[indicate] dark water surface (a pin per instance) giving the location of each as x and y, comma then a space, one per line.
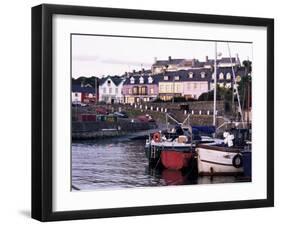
115, 164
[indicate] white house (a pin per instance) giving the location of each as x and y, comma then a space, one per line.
110, 89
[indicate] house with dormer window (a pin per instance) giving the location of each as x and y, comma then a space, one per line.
110, 89
140, 88
184, 83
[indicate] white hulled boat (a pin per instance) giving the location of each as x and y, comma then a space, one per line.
224, 159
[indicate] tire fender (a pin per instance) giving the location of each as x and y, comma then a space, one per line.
237, 161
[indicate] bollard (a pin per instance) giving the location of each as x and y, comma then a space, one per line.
145, 107
157, 109
165, 109
161, 109
208, 112
200, 112
185, 112
151, 108
192, 112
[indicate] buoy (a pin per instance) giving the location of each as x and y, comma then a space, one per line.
156, 137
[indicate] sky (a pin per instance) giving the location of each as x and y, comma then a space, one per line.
103, 55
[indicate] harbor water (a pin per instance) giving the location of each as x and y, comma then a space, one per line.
119, 163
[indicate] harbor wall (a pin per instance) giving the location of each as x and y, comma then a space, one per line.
88, 130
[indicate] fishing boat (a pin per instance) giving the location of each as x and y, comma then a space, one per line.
226, 159
175, 148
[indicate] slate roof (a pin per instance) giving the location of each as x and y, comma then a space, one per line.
237, 70
167, 62
184, 75
223, 60
227, 60
156, 79
115, 79
85, 80
80, 89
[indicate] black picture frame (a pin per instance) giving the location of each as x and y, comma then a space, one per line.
42, 111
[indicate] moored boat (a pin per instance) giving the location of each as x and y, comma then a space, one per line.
226, 159
175, 150
176, 160
219, 160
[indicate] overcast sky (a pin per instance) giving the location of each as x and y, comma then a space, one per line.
101, 55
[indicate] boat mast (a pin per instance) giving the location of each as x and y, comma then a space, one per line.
235, 86
215, 86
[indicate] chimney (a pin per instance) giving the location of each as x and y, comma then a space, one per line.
155, 60
193, 62
170, 58
143, 70
134, 71
207, 59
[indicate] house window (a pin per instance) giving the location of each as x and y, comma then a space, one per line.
190, 75
221, 77
162, 88
143, 90
116, 90
177, 78
130, 91
195, 85
151, 91
203, 74
166, 78
150, 79
104, 90
110, 90
109, 83
141, 80
135, 90
228, 76
188, 85
168, 88
132, 80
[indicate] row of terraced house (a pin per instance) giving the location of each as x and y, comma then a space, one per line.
168, 79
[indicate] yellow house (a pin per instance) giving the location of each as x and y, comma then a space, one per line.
182, 83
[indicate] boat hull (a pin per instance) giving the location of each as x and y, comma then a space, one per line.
215, 161
247, 163
176, 160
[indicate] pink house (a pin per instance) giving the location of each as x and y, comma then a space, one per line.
140, 88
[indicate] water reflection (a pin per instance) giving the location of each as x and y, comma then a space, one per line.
115, 164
